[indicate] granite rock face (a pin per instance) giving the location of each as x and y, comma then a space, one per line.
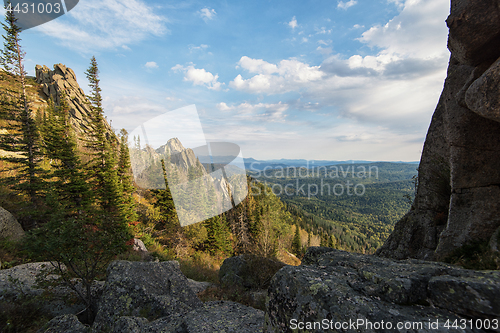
248, 271
144, 289
146, 297
21, 282
457, 199
9, 227
332, 286
63, 80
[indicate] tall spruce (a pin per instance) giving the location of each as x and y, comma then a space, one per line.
127, 189
20, 136
296, 242
67, 179
100, 144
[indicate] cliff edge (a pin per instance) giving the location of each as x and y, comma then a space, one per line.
457, 199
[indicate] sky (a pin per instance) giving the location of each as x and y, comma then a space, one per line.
319, 79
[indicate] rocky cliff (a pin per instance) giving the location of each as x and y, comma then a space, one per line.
458, 196
61, 80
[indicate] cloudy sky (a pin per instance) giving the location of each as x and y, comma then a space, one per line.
318, 79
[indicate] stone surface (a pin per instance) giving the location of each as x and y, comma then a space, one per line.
221, 316
21, 281
338, 286
139, 246
65, 324
63, 80
483, 95
144, 289
248, 271
457, 199
199, 286
9, 227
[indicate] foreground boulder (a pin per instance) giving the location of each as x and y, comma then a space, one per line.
9, 227
144, 289
334, 287
457, 199
20, 283
248, 271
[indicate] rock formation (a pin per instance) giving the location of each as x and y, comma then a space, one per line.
63, 80
9, 227
458, 196
156, 297
333, 287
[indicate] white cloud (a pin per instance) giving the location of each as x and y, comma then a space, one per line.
202, 47
97, 24
199, 76
207, 14
274, 112
345, 5
151, 65
293, 23
419, 30
285, 76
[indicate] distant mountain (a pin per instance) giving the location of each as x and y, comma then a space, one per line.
256, 165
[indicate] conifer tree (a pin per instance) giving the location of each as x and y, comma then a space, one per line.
102, 165
218, 236
127, 206
60, 146
21, 135
165, 203
296, 243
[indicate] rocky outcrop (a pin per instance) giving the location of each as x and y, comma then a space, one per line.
65, 323
9, 227
248, 271
20, 282
63, 80
457, 200
144, 289
142, 297
333, 287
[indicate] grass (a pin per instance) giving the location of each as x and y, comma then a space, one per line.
12, 254
21, 316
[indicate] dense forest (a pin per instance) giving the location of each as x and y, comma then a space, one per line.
351, 206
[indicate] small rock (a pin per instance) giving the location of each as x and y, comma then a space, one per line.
9, 227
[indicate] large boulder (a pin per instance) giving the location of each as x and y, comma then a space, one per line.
63, 80
144, 289
457, 199
248, 271
9, 227
22, 283
64, 324
334, 287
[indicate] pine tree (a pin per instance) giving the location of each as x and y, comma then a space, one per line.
102, 165
127, 206
218, 236
296, 243
21, 135
60, 146
166, 205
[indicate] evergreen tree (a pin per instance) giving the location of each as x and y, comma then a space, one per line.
60, 147
102, 165
165, 203
218, 235
20, 136
296, 243
127, 206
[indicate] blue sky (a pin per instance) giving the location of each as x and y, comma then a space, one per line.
333, 80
